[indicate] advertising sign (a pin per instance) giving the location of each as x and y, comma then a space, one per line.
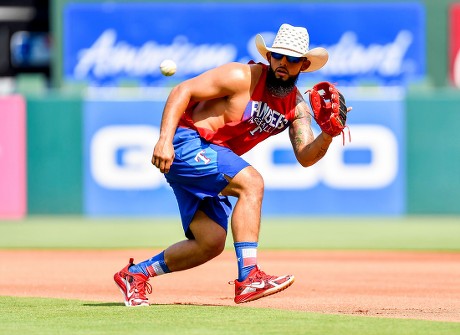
364, 176
108, 44
118, 144
454, 50
12, 157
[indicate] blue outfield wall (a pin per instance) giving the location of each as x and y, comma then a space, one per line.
362, 177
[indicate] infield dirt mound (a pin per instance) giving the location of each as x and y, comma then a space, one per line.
384, 284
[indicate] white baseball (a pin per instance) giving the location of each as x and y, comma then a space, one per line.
168, 67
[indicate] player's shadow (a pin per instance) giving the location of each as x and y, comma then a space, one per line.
104, 304
111, 304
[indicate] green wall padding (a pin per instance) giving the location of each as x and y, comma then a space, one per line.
54, 160
433, 152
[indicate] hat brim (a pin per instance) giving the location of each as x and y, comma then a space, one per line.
317, 56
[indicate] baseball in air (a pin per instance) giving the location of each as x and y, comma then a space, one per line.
168, 67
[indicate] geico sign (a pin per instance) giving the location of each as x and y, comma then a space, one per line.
120, 159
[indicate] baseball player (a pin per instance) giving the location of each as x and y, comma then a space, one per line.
211, 120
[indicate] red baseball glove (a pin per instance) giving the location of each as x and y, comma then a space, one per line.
329, 108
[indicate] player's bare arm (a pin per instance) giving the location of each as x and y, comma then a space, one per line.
233, 84
308, 149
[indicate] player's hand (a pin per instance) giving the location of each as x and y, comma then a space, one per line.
163, 156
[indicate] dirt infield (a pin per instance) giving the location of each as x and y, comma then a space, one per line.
383, 284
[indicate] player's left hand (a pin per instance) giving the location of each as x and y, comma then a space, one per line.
329, 108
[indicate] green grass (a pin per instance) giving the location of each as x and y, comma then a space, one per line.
54, 316
70, 317
411, 233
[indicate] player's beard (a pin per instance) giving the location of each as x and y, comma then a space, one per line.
279, 87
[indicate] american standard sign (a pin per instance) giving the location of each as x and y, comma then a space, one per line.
108, 57
111, 45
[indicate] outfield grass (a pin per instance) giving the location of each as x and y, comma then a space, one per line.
55, 316
413, 233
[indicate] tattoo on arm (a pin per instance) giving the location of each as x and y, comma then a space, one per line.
321, 153
301, 132
299, 137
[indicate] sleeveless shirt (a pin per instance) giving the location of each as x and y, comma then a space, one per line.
265, 115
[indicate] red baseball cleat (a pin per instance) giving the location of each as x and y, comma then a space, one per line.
258, 285
133, 286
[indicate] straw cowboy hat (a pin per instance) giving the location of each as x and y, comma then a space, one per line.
294, 41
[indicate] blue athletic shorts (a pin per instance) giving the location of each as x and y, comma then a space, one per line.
197, 177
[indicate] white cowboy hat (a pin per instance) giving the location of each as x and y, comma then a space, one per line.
294, 41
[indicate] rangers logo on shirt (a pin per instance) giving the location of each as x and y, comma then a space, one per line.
265, 118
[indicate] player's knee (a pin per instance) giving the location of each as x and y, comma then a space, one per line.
254, 184
248, 184
212, 247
